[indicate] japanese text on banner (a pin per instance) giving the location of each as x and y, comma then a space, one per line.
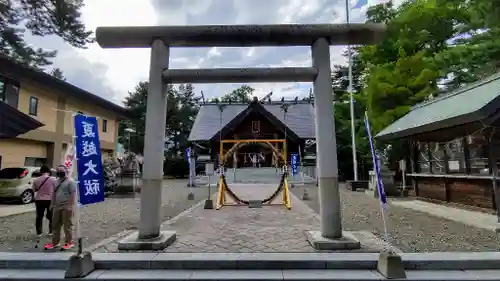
89, 161
294, 163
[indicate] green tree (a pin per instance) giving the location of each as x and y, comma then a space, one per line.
182, 107
431, 46
135, 102
185, 106
241, 94
403, 69
57, 73
42, 18
340, 82
475, 52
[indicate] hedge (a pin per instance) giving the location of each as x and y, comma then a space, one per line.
176, 167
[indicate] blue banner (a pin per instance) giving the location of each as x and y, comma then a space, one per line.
88, 160
376, 164
295, 161
188, 154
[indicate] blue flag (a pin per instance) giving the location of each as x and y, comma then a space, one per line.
295, 157
188, 154
376, 167
88, 160
359, 4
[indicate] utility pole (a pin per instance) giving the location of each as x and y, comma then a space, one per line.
351, 100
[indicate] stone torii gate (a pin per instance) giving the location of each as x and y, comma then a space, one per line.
161, 38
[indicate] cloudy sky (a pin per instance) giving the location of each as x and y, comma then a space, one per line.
112, 73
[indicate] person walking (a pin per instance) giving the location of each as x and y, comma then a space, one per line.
140, 160
63, 204
43, 186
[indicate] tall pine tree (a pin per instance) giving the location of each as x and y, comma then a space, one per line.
42, 18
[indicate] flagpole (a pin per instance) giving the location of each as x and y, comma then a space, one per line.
376, 168
351, 100
79, 239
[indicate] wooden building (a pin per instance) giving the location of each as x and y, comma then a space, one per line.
454, 143
256, 120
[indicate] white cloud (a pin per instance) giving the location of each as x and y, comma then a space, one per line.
111, 73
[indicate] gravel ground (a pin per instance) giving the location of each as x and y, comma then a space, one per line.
99, 221
410, 231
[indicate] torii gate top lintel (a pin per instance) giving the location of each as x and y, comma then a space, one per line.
240, 35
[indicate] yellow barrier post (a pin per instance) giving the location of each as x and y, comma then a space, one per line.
286, 195
220, 194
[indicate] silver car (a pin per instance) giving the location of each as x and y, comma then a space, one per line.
16, 183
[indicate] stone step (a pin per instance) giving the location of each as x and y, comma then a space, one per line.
255, 275
257, 261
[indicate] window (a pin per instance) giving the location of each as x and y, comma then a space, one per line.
13, 173
255, 127
9, 92
478, 154
456, 156
104, 125
33, 106
423, 157
437, 158
34, 162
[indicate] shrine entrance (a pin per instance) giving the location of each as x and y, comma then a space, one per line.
319, 37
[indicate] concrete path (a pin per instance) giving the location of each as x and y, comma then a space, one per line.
239, 229
9, 210
471, 218
98, 221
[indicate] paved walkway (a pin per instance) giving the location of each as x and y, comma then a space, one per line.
98, 221
11, 209
240, 229
472, 218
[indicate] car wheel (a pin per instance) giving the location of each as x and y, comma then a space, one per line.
27, 196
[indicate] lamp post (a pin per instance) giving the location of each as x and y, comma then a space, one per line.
221, 146
285, 107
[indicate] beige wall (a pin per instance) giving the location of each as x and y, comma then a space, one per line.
14, 152
55, 111
47, 104
73, 106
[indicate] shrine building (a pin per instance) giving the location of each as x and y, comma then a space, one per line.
266, 124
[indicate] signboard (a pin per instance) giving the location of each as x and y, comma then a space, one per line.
89, 161
295, 161
209, 169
